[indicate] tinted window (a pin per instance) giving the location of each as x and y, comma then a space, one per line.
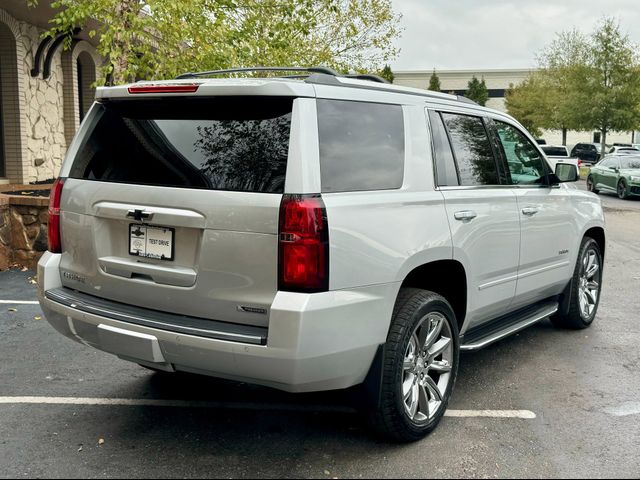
446, 172
630, 162
473, 153
222, 144
361, 146
609, 163
555, 151
526, 164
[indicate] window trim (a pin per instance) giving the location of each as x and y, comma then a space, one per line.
434, 159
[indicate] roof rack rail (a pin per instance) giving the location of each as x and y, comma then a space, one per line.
367, 76
324, 70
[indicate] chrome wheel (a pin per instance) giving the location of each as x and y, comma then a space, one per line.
428, 362
589, 286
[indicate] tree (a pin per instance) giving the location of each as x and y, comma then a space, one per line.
563, 65
161, 38
477, 91
526, 103
387, 74
610, 83
434, 82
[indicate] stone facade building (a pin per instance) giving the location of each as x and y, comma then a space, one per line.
498, 81
45, 91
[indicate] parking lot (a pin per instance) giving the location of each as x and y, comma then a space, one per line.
69, 411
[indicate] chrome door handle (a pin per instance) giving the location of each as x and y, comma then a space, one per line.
530, 211
465, 215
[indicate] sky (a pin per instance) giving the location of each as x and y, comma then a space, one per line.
488, 34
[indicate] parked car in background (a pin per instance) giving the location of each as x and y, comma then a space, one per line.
559, 154
618, 174
589, 153
623, 149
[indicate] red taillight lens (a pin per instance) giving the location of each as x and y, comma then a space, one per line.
190, 88
55, 242
304, 244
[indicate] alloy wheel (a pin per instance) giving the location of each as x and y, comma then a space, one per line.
427, 367
589, 286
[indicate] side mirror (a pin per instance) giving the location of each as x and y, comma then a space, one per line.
567, 172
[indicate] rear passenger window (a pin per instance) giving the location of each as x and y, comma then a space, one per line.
472, 149
446, 172
361, 146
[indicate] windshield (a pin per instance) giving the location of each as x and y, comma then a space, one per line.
555, 151
629, 163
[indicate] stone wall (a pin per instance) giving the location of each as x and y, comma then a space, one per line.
23, 230
45, 142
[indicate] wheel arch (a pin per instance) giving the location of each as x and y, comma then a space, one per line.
444, 277
598, 234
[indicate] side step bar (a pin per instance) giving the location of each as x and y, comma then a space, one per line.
497, 330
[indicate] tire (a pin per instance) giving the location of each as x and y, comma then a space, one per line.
418, 315
583, 302
591, 186
622, 190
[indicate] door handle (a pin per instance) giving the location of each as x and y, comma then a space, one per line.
465, 215
530, 211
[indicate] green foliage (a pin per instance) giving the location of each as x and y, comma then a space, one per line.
526, 102
477, 91
434, 82
161, 38
387, 74
584, 83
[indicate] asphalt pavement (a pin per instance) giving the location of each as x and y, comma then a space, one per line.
583, 387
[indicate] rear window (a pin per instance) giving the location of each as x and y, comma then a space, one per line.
555, 151
231, 143
361, 146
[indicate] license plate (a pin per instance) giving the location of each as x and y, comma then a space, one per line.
151, 242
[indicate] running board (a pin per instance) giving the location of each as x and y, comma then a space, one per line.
501, 328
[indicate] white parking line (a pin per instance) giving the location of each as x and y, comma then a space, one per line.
19, 302
143, 402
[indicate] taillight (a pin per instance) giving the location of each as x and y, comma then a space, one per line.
55, 242
303, 244
579, 164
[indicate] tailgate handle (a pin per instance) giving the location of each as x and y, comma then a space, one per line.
139, 215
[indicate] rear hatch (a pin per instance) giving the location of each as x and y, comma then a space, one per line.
172, 203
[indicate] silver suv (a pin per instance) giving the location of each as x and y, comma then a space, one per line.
314, 233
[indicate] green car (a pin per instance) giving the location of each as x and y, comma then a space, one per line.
616, 174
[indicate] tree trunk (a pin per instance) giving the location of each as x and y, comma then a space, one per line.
604, 142
564, 136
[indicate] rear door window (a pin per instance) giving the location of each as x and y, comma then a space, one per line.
361, 146
231, 143
472, 150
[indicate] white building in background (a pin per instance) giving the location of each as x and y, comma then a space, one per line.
498, 81
45, 91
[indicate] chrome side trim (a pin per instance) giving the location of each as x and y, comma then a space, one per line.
515, 328
543, 269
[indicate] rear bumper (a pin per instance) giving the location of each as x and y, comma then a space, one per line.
314, 342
